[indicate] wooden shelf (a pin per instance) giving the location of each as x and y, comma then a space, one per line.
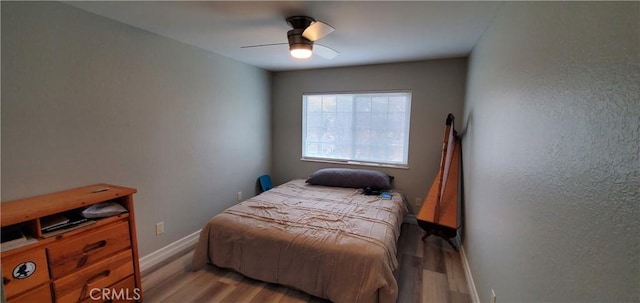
22, 210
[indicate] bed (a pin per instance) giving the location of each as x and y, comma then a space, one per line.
330, 242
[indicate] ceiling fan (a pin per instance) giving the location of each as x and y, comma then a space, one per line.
305, 32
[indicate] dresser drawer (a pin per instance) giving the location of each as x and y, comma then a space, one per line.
102, 274
24, 271
41, 294
71, 254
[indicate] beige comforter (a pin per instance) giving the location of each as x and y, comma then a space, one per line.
330, 242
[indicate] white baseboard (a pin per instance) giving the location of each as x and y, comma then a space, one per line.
151, 260
467, 272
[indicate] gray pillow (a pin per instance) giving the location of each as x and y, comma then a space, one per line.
104, 209
347, 177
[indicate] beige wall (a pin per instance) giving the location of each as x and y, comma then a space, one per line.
437, 87
86, 100
551, 154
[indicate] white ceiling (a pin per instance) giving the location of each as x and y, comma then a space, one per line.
366, 32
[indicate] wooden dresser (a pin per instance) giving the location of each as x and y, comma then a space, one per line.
93, 261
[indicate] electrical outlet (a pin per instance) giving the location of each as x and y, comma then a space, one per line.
493, 296
160, 228
239, 196
418, 202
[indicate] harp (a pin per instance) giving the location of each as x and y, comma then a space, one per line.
439, 212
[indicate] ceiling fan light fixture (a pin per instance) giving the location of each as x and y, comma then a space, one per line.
305, 31
300, 51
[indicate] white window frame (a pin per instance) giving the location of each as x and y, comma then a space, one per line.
403, 163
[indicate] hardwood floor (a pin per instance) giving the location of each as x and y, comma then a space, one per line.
430, 271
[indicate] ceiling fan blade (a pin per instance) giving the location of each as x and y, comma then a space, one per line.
317, 30
261, 45
324, 51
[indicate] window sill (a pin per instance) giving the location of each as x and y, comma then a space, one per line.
359, 163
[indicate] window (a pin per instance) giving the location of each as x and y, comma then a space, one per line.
363, 128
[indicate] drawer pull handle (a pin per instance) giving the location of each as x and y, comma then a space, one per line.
96, 277
89, 248
93, 246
